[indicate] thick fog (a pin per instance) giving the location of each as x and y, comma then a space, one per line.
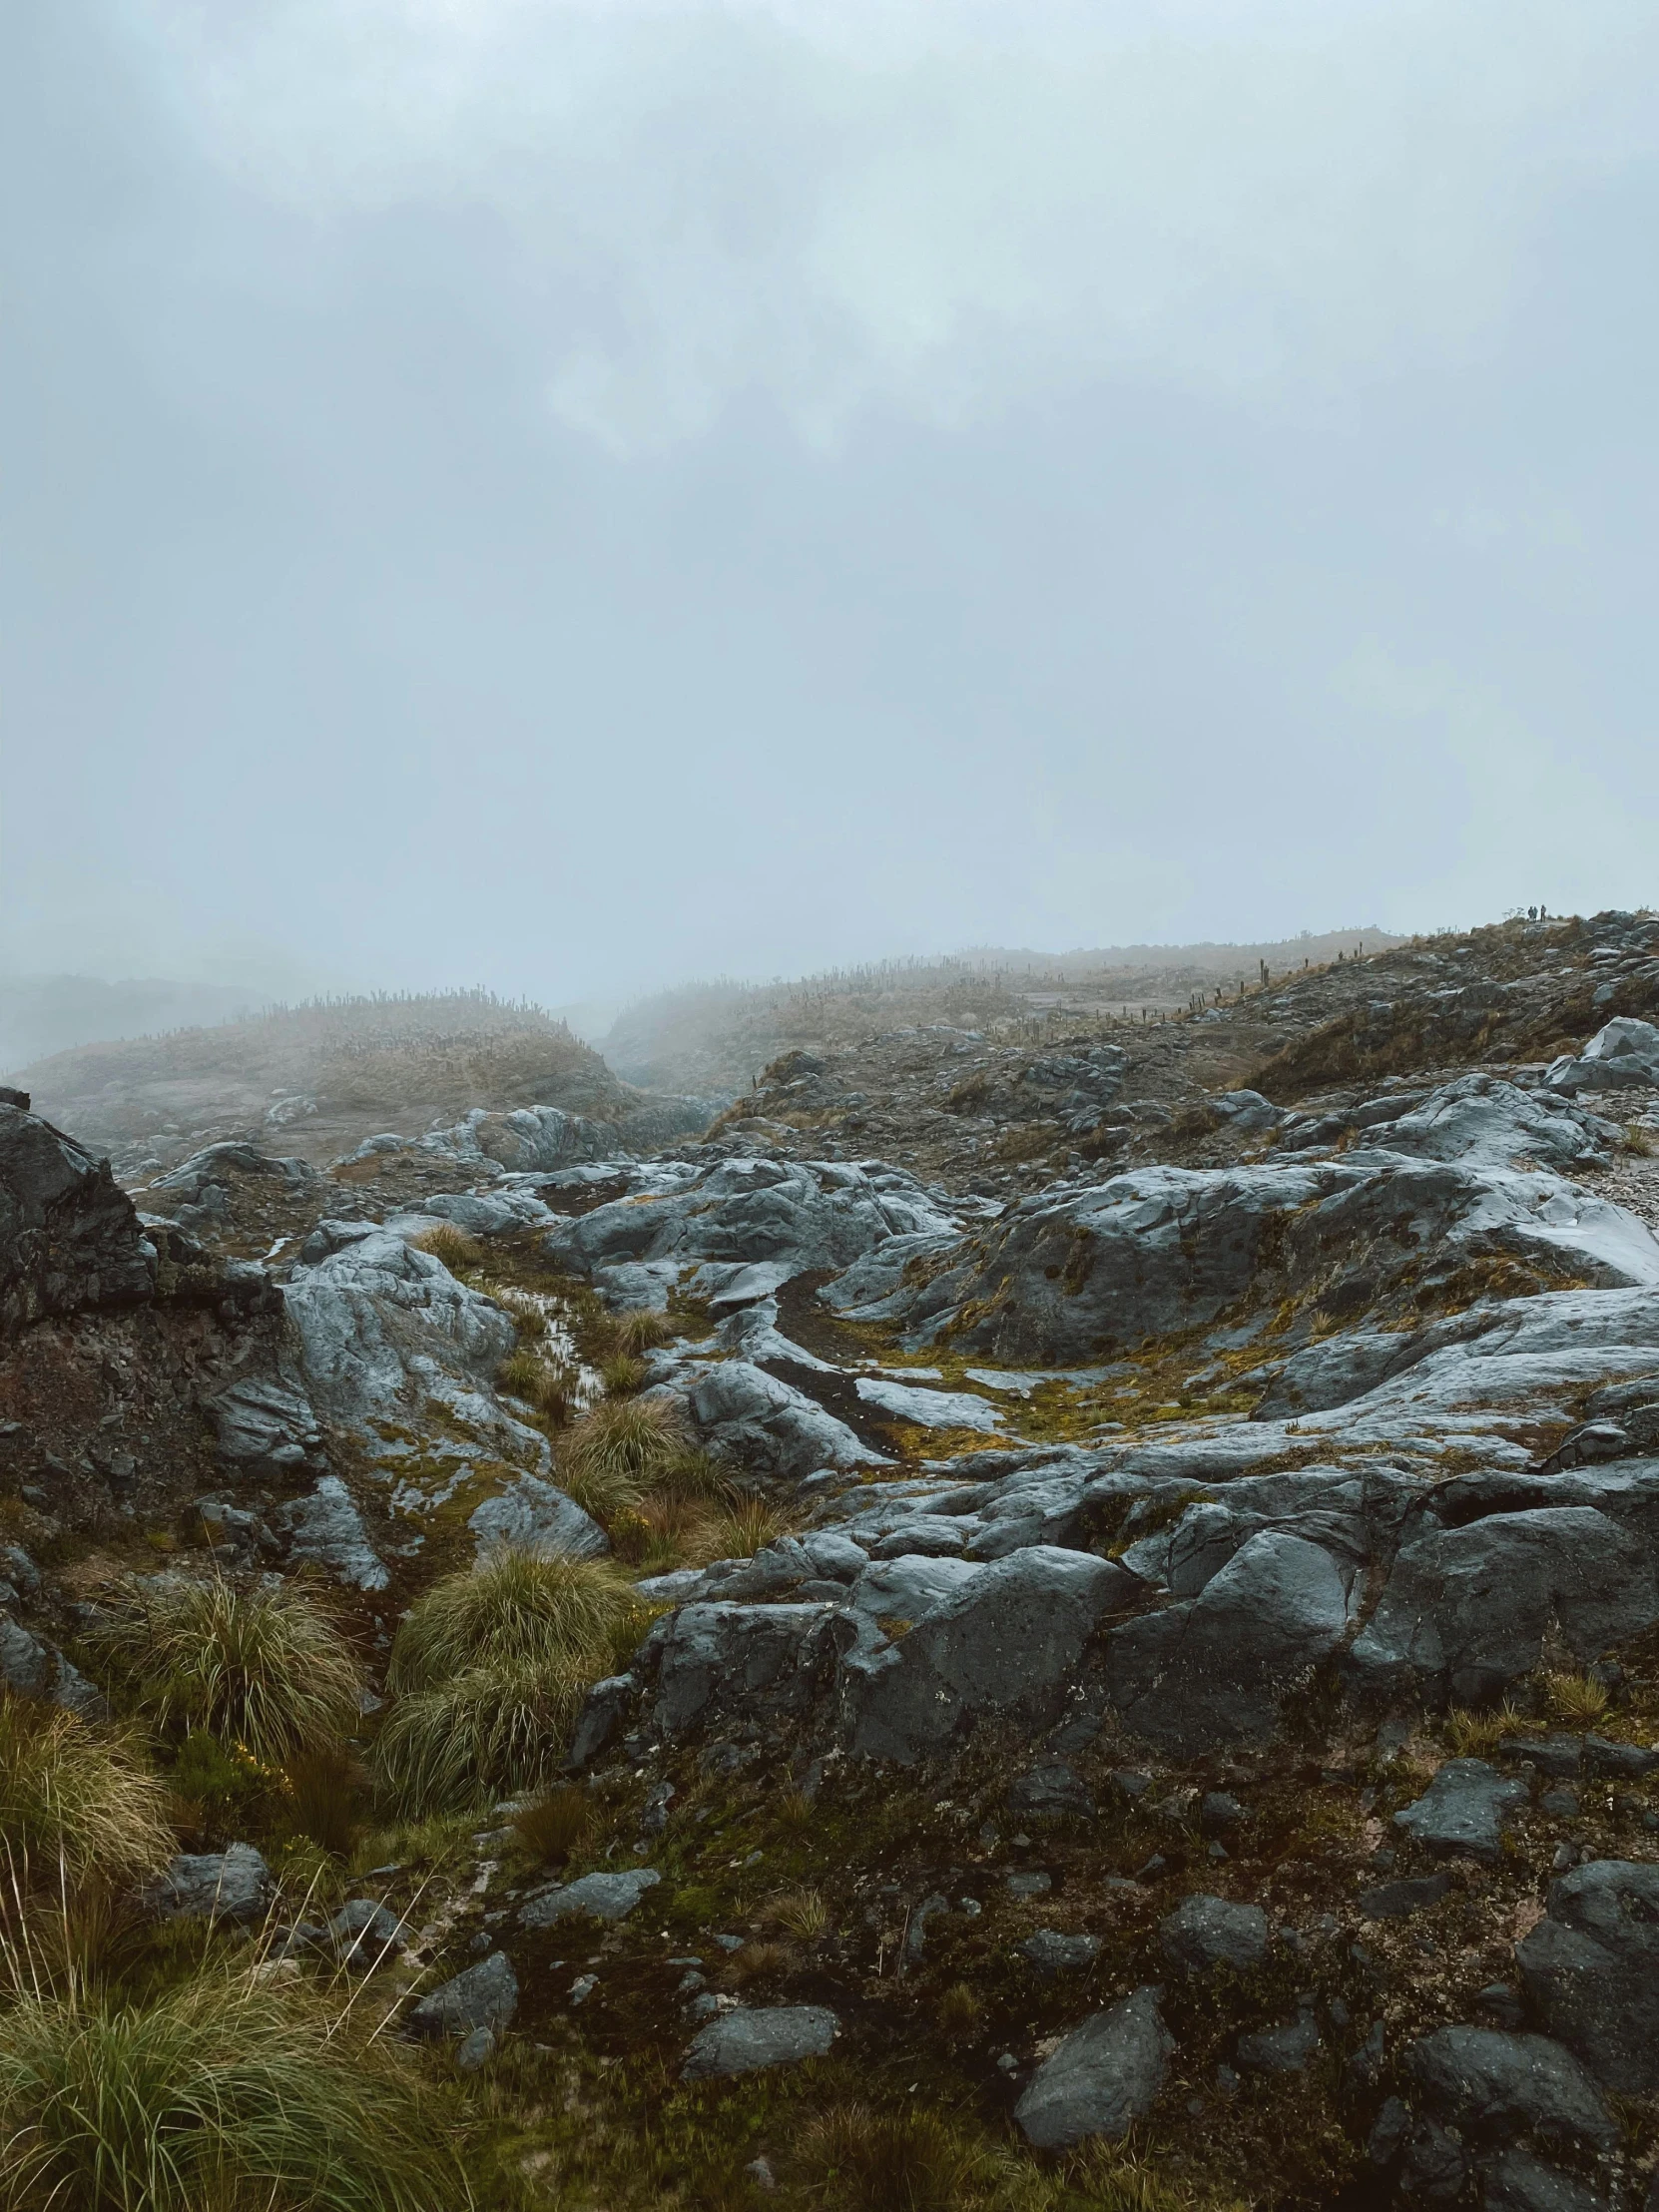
578, 496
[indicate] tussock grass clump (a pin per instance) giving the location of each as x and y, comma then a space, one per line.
489, 1669
265, 1668
622, 1375
748, 1527
802, 1914
220, 2095
450, 1244
1478, 1735
1578, 1700
619, 1450
638, 1333
493, 1730
554, 1826
513, 1608
854, 2159
77, 1798
959, 2010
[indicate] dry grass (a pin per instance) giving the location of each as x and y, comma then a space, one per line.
802, 1914
757, 1962
959, 2010
452, 1245
219, 2094
552, 1386
1577, 1700
77, 1799
623, 1375
494, 1731
855, 2159
1478, 1735
265, 1668
554, 1826
639, 1333
748, 1527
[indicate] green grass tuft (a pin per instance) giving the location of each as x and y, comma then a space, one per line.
265, 1668
220, 2094
76, 1798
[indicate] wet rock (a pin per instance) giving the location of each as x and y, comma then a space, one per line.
1493, 2086
1283, 2049
1470, 1608
1005, 1644
1624, 1055
327, 1529
1102, 2078
533, 1515
231, 1885
748, 2038
598, 1897
605, 1711
1518, 2182
1396, 1900
1207, 1932
1052, 1952
365, 1935
1216, 1669
483, 1996
1464, 1810
1049, 1791
1590, 1968
70, 1239
724, 1658
744, 1413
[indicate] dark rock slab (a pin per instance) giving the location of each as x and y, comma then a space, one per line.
1591, 1970
1464, 1810
1205, 1932
1102, 2078
1492, 2086
483, 1996
744, 2040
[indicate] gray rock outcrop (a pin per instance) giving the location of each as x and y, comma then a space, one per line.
1104, 2076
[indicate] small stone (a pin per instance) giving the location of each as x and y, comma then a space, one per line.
599, 1896
1395, 1901
482, 1996
1281, 2049
473, 2050
1207, 1932
1029, 1885
583, 1987
1464, 1810
1052, 1952
1103, 2077
1560, 1805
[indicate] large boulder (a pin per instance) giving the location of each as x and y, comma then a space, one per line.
1005, 1644
229, 1885
1103, 2077
1591, 1970
744, 1413
69, 1237
800, 1215
717, 1657
1217, 1668
1464, 1810
1622, 1056
1467, 1610
1493, 2086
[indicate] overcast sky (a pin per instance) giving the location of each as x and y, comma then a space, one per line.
577, 496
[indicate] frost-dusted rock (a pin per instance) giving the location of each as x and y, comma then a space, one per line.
928, 1409
802, 1215
1073, 1272
533, 1515
1591, 1970
326, 1529
726, 1658
742, 1412
69, 1237
482, 1996
744, 2040
1624, 1055
266, 1423
1006, 1644
1205, 1932
597, 1896
1468, 1609
1102, 2078
1464, 1810
1495, 2086
1217, 1668
382, 1326
482, 1213
229, 1885
1486, 1122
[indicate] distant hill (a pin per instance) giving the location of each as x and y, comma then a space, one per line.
717, 1035
325, 1073
42, 1014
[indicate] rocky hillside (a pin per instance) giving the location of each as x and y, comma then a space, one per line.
1122, 1568
315, 1080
